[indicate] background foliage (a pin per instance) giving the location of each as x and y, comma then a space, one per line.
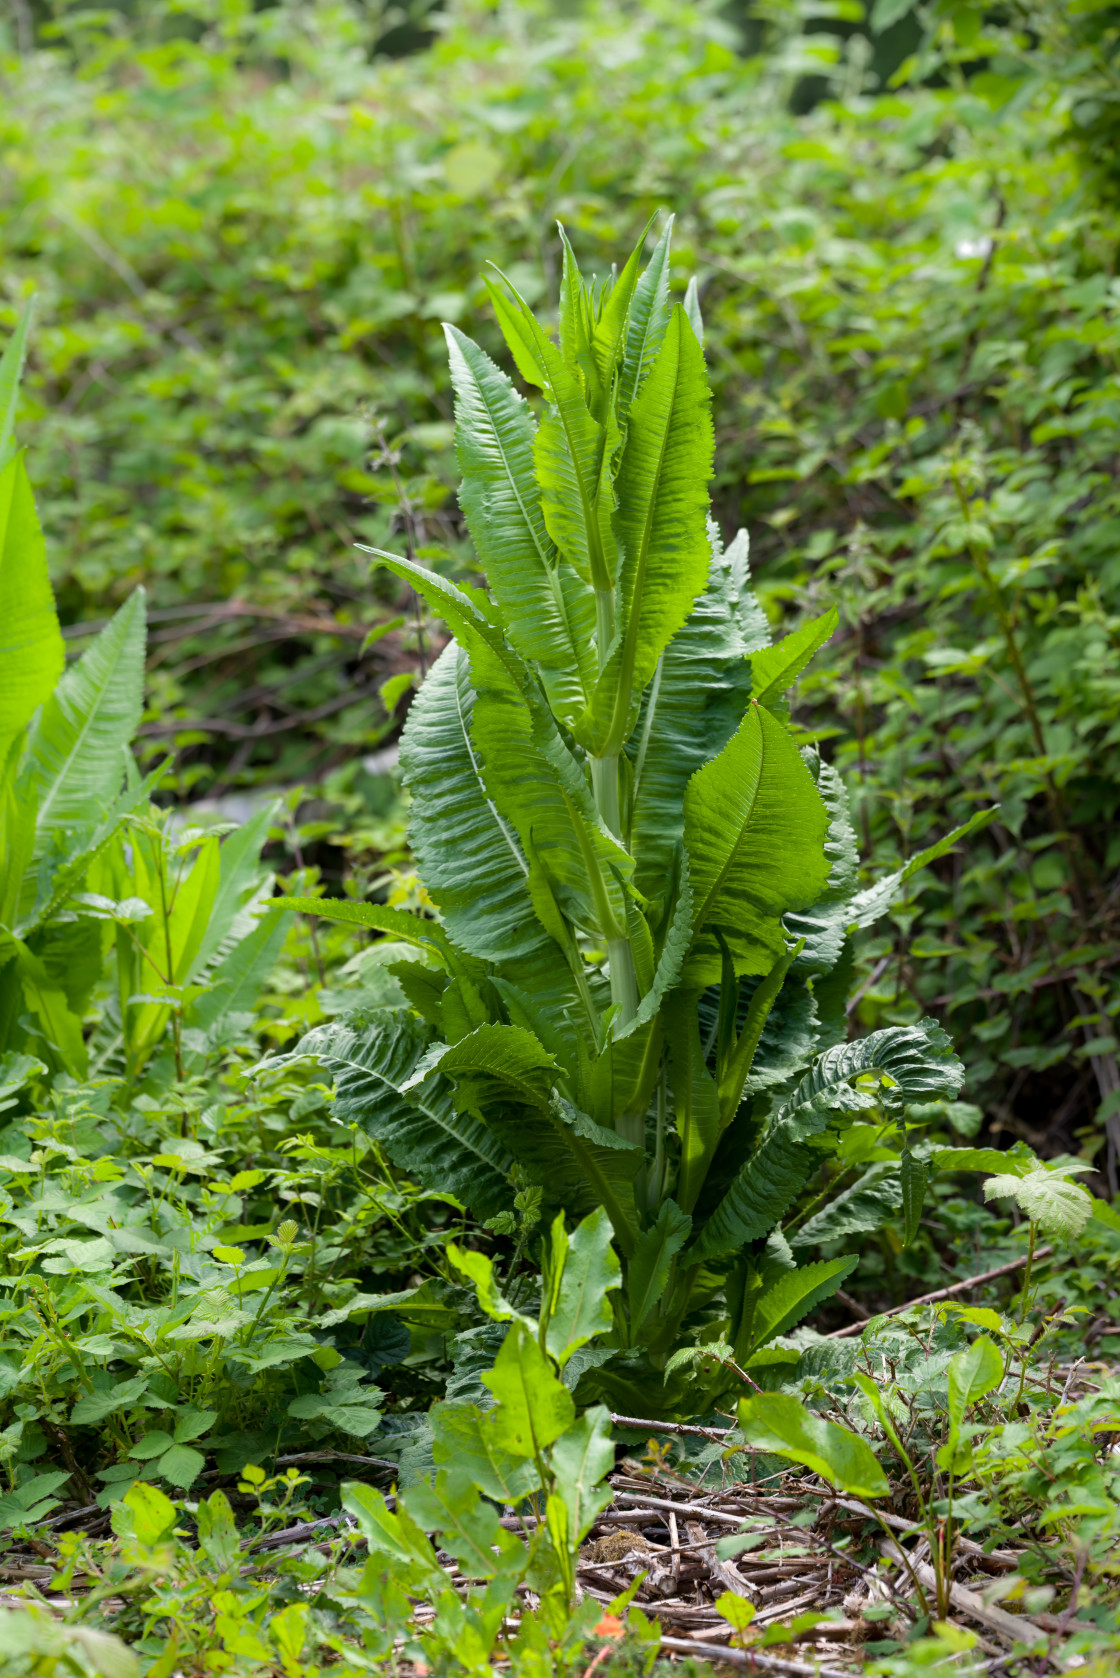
244, 230
244, 225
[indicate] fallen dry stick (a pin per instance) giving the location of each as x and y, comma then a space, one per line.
755, 1660
944, 1293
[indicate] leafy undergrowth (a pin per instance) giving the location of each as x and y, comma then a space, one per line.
698, 1541
224, 1497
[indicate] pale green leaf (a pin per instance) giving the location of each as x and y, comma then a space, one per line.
591, 1271
780, 1423
1061, 1209
31, 651
774, 669
534, 1406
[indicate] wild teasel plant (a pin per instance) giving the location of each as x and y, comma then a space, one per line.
632, 992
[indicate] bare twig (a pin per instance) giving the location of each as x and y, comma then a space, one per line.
753, 1659
687, 1428
944, 1293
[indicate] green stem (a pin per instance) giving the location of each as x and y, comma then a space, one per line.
604, 784
1024, 1296
624, 979
604, 623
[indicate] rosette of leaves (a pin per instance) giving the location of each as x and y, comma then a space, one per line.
633, 986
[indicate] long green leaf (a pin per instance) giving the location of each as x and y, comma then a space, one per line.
761, 1191
76, 748
774, 669
691, 708
648, 319
591, 1271
529, 772
867, 906
420, 1130
662, 518
502, 1063
780, 1423
582, 1458
794, 1295
568, 452
868, 1204
470, 858
912, 1063
11, 366
579, 1163
463, 1436
398, 923
31, 651
824, 925
695, 1096
534, 1407
648, 1270
549, 614
755, 826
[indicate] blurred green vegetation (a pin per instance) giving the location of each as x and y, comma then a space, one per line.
244, 227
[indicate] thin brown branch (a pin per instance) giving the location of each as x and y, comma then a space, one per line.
943, 1293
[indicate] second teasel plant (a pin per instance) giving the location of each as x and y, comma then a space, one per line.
632, 991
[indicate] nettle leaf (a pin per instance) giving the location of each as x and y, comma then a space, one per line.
1060, 1209
780, 1423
